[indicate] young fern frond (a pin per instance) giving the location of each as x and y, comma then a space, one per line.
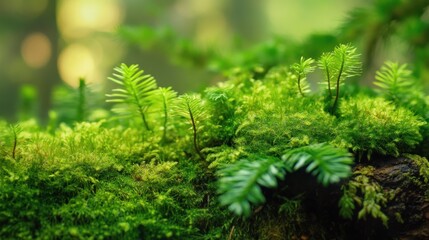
393, 79
191, 108
135, 92
337, 66
323, 64
301, 70
16, 130
240, 183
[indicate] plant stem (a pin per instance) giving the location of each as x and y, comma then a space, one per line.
81, 101
194, 128
329, 80
299, 85
164, 134
334, 106
15, 142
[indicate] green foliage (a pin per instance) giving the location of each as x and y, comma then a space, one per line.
240, 183
337, 66
89, 180
111, 180
394, 80
165, 98
191, 108
365, 193
76, 105
373, 125
135, 92
328, 164
301, 69
423, 165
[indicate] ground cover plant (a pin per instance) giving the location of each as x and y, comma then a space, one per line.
225, 163
288, 145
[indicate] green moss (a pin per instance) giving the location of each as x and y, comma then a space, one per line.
373, 125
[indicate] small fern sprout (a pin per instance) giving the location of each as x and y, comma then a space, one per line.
337, 66
135, 92
301, 69
165, 97
393, 79
191, 108
16, 130
323, 64
81, 110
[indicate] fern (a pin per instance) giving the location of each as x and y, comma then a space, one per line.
16, 130
301, 69
240, 183
337, 66
135, 92
81, 101
165, 97
191, 108
328, 164
394, 80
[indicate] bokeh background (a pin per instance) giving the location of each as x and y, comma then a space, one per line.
47, 43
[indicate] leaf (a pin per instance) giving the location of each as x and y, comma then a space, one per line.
240, 183
327, 163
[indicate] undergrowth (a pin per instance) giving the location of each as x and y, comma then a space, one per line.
199, 165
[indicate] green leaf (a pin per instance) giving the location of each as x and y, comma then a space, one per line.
327, 163
240, 183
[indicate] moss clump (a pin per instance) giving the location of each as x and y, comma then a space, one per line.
373, 125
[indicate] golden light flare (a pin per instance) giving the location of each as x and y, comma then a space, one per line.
76, 61
36, 50
79, 18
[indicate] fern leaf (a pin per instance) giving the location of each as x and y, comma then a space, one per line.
301, 69
135, 92
327, 163
240, 183
393, 79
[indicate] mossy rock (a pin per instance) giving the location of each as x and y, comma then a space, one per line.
314, 214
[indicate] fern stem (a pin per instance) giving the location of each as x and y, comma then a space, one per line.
143, 117
164, 134
15, 142
194, 128
334, 106
81, 101
329, 80
299, 85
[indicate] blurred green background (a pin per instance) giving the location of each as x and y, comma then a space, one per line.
47, 43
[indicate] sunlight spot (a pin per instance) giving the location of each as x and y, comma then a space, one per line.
76, 61
36, 50
79, 18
